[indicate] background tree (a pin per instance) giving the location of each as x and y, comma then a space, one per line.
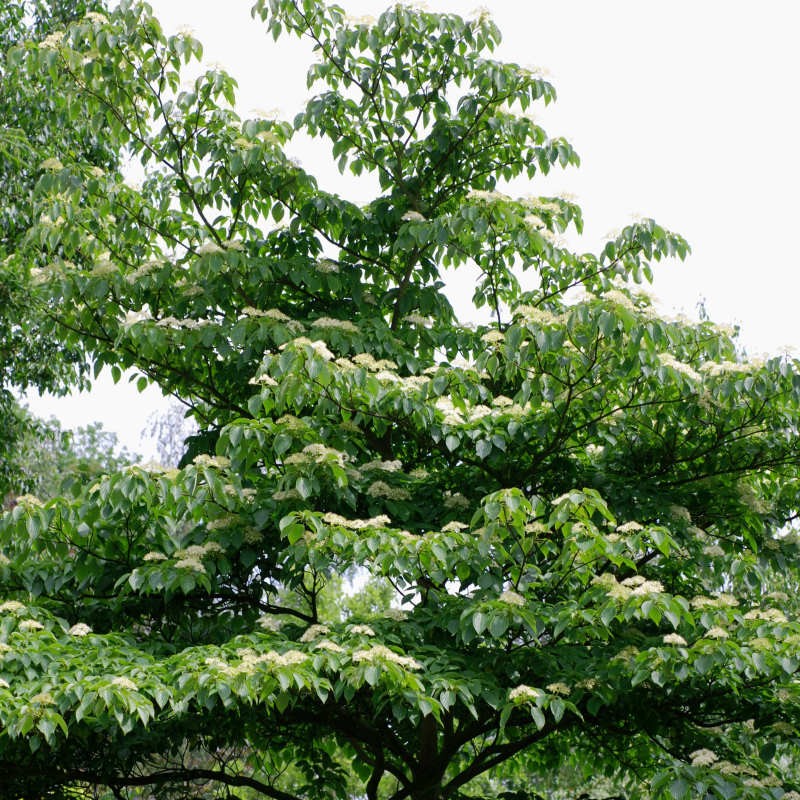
51, 461
32, 138
580, 505
30, 134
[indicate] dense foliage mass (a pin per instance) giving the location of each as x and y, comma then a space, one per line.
575, 519
30, 131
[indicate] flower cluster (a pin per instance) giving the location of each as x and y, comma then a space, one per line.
124, 683
314, 632
511, 598
382, 489
668, 360
380, 653
329, 323
524, 694
703, 758
361, 630
79, 629
381, 521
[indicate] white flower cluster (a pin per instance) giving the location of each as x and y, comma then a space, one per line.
675, 638
452, 415
329, 646
717, 368
190, 563
629, 527
382, 489
381, 521
511, 598
454, 501
668, 360
524, 694
703, 758
329, 323
619, 298
209, 248
12, 606
558, 688
318, 347
641, 586
79, 629
493, 336
269, 623
537, 316
124, 683
768, 614
199, 550
382, 466
368, 361
29, 501
52, 42
218, 462
418, 319
720, 601
327, 265
314, 632
486, 196
379, 652
144, 269
361, 630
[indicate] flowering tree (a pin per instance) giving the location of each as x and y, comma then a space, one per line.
583, 509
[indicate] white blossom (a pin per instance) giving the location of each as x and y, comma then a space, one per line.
703, 758
79, 629
524, 694
511, 598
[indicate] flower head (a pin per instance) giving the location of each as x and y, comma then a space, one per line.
511, 598
79, 629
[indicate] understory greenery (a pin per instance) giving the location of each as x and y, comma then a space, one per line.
570, 526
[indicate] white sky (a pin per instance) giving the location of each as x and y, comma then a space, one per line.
684, 111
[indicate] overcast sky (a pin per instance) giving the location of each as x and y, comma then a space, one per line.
684, 111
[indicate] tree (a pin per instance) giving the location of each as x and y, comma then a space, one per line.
584, 509
51, 460
29, 135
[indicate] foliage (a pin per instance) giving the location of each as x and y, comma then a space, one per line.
582, 506
50, 460
30, 133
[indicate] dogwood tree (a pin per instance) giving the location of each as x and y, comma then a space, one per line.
583, 509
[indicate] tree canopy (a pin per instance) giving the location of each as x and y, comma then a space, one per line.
574, 519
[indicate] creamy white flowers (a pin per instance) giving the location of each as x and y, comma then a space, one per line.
524, 694
124, 683
30, 625
79, 629
703, 758
379, 652
511, 598
314, 632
